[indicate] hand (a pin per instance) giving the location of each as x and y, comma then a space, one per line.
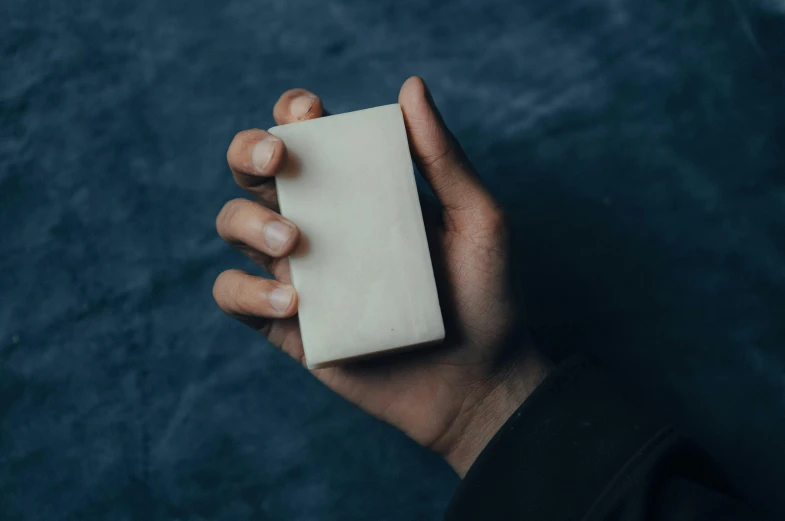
451, 398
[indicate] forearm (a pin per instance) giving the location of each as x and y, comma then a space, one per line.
578, 448
491, 405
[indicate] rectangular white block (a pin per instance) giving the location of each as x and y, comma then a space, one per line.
363, 271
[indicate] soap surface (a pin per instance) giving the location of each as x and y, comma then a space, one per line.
363, 271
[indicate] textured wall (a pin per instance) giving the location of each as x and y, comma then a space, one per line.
639, 145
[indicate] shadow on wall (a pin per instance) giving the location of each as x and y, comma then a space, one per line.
661, 254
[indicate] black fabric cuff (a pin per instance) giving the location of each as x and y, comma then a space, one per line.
558, 452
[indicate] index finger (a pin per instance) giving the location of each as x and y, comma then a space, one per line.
254, 157
297, 105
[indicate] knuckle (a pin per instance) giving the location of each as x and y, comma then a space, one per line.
223, 289
235, 145
493, 219
239, 142
235, 218
496, 216
231, 218
245, 136
223, 217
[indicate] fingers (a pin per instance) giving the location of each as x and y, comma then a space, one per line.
265, 305
297, 105
254, 156
243, 296
263, 234
437, 154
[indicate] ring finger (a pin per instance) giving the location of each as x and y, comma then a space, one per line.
246, 296
262, 234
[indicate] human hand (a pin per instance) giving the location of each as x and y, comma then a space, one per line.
451, 398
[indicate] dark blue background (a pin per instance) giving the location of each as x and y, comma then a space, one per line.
638, 145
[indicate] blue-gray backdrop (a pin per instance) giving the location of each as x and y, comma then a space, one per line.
638, 145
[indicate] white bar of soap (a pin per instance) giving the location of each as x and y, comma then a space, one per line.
362, 271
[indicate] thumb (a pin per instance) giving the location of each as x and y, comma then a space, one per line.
436, 152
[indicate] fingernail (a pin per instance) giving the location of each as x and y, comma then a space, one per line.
277, 234
263, 152
300, 106
281, 298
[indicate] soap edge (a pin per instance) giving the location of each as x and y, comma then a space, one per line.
378, 354
440, 335
322, 118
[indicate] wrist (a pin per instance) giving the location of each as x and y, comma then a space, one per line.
490, 405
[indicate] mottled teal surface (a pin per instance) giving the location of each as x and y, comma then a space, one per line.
639, 146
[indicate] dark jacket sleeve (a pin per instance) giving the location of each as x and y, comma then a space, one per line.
578, 449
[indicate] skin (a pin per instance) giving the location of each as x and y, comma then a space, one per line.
452, 398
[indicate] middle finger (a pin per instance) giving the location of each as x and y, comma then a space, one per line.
254, 157
256, 230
